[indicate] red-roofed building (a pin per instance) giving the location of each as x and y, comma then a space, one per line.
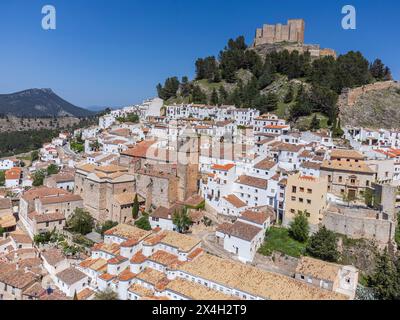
13, 177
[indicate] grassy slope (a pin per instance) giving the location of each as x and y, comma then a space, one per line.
278, 239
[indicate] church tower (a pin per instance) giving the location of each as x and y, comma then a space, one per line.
187, 170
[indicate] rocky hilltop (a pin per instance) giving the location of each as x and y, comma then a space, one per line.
373, 106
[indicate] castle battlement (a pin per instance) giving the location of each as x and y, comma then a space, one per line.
292, 32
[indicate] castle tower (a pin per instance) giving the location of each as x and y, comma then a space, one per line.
188, 152
296, 30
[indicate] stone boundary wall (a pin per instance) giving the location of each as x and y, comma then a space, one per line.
360, 228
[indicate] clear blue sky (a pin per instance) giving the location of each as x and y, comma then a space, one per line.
114, 53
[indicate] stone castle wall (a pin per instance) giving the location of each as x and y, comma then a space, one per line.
289, 37
354, 227
349, 97
293, 31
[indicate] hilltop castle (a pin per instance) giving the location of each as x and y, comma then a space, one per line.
293, 31
289, 37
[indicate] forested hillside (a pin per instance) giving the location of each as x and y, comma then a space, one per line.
288, 83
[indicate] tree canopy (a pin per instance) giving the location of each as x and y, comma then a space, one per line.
143, 223
299, 228
385, 279
81, 222
323, 245
181, 220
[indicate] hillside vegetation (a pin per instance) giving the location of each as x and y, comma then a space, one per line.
298, 88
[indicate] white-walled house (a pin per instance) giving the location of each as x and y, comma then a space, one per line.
246, 235
54, 261
7, 164
71, 281
162, 218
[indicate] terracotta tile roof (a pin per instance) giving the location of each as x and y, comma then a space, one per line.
138, 258
177, 240
107, 277
20, 238
306, 154
140, 150
235, 201
195, 253
241, 230
63, 177
35, 290
113, 248
18, 279
13, 174
225, 167
256, 217
194, 200
265, 164
359, 167
128, 232
29, 263
117, 260
152, 276
87, 263
347, 154
85, 294
253, 182
8, 221
98, 265
61, 199
288, 147
195, 291
318, 269
42, 192
164, 258
87, 167
55, 295
140, 290
53, 256
5, 204
126, 198
164, 213
311, 165
255, 281
48, 217
126, 275
276, 127
70, 276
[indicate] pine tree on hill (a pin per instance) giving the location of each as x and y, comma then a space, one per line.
384, 280
289, 95
315, 123
214, 98
223, 95
323, 245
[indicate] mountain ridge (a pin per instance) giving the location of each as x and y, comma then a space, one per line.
37, 103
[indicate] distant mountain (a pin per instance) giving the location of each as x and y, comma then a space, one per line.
37, 103
97, 108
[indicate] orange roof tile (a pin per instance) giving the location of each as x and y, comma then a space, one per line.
138, 258
107, 277
225, 167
